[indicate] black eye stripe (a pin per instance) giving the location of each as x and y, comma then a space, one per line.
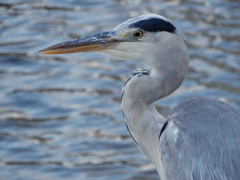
154, 25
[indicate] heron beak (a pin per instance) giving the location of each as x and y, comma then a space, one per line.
96, 42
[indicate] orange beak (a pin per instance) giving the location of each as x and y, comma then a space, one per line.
96, 42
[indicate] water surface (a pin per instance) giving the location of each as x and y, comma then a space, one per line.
60, 116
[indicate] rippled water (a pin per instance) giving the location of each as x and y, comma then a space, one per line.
60, 116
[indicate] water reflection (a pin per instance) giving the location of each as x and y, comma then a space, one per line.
61, 116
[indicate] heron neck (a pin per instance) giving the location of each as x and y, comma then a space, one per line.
144, 124
139, 94
143, 121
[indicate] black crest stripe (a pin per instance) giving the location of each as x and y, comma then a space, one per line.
154, 25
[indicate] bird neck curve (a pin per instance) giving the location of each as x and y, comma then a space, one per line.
144, 87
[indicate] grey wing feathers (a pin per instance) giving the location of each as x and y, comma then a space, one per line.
201, 142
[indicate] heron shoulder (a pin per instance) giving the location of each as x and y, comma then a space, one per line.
203, 137
207, 116
204, 109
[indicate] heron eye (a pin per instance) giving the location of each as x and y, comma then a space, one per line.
138, 34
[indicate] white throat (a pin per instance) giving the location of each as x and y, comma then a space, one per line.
168, 68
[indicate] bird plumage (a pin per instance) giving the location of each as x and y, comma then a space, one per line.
200, 139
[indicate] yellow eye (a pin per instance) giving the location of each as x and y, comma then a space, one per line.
138, 34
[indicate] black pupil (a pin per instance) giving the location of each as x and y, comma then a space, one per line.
137, 34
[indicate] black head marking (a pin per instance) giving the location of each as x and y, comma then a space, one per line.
154, 25
163, 128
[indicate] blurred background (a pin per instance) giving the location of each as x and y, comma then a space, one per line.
60, 116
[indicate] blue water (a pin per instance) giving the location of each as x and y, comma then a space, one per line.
60, 116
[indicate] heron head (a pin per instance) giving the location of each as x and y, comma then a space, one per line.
138, 38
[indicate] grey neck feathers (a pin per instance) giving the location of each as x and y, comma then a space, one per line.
141, 90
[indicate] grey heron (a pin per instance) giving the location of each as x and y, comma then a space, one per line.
200, 138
